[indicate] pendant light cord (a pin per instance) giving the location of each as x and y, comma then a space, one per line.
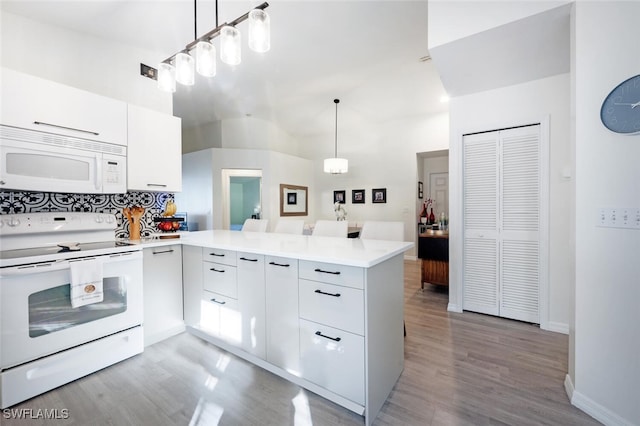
195, 20
336, 101
216, 13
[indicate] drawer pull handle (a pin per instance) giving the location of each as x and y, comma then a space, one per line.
284, 265
335, 339
218, 301
327, 294
248, 260
216, 270
163, 252
216, 254
327, 272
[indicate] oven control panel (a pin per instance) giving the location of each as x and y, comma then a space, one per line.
55, 222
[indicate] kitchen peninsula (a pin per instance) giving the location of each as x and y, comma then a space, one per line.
325, 313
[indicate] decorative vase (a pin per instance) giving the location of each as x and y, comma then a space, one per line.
432, 217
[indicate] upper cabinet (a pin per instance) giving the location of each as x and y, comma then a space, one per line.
34, 103
154, 161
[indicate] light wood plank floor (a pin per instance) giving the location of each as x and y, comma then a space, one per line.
460, 369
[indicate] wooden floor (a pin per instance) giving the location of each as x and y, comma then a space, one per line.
460, 369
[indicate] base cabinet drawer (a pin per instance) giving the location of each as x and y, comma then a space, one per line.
333, 359
335, 306
226, 257
220, 279
221, 318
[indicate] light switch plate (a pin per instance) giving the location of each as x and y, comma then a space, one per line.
613, 217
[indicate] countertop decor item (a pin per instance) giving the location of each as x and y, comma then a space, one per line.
133, 215
620, 110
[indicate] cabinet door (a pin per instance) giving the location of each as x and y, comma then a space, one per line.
154, 151
35, 103
281, 283
221, 317
333, 305
333, 359
192, 284
163, 314
251, 302
220, 279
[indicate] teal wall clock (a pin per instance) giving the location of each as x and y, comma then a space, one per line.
620, 110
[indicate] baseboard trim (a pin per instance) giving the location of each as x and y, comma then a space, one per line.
453, 307
591, 407
557, 327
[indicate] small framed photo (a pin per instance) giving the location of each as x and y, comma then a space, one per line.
292, 198
420, 190
379, 195
357, 196
339, 197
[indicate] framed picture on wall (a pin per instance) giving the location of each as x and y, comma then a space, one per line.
339, 196
420, 190
292, 198
379, 195
357, 196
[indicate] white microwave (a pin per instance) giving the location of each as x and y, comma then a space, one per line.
45, 162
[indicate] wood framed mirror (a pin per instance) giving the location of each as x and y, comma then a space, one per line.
293, 200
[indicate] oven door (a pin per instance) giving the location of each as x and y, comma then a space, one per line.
37, 319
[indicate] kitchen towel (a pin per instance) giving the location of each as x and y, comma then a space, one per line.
86, 282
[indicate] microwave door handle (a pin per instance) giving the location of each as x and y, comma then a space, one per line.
98, 172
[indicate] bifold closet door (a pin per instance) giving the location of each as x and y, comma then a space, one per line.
501, 223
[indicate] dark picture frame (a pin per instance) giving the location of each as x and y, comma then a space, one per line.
379, 195
357, 196
292, 198
420, 190
340, 197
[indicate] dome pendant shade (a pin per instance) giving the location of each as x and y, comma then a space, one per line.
259, 31
336, 165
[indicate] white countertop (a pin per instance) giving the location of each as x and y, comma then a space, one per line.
341, 251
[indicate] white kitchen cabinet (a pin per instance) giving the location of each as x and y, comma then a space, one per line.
251, 302
154, 161
281, 285
163, 308
336, 306
31, 102
192, 284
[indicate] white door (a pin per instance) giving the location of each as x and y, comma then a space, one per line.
502, 214
439, 190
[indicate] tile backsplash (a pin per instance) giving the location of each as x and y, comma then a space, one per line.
12, 202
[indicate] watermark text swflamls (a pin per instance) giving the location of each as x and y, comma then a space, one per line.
39, 413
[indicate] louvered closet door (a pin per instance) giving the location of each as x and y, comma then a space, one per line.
520, 219
480, 253
501, 223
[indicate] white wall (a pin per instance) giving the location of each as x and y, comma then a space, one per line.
516, 105
453, 20
197, 138
607, 317
89, 63
202, 181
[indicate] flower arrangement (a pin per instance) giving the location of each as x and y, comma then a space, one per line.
341, 213
425, 207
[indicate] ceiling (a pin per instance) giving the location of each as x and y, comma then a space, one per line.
367, 53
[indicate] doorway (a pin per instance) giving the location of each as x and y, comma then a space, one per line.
241, 196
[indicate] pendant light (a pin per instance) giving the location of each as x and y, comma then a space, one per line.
200, 54
336, 165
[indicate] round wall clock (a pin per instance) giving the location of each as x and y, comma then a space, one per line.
620, 110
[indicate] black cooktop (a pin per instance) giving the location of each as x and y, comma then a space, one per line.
62, 248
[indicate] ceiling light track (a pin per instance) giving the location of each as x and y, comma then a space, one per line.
181, 65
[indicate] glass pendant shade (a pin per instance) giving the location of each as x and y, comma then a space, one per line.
185, 69
336, 165
205, 53
259, 31
230, 45
166, 77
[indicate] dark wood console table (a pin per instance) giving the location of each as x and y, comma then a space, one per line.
433, 249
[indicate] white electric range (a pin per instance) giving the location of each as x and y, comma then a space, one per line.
44, 341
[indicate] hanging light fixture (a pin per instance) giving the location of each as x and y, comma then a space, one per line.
181, 66
336, 165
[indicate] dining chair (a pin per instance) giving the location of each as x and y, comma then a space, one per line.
331, 228
255, 225
289, 226
390, 231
